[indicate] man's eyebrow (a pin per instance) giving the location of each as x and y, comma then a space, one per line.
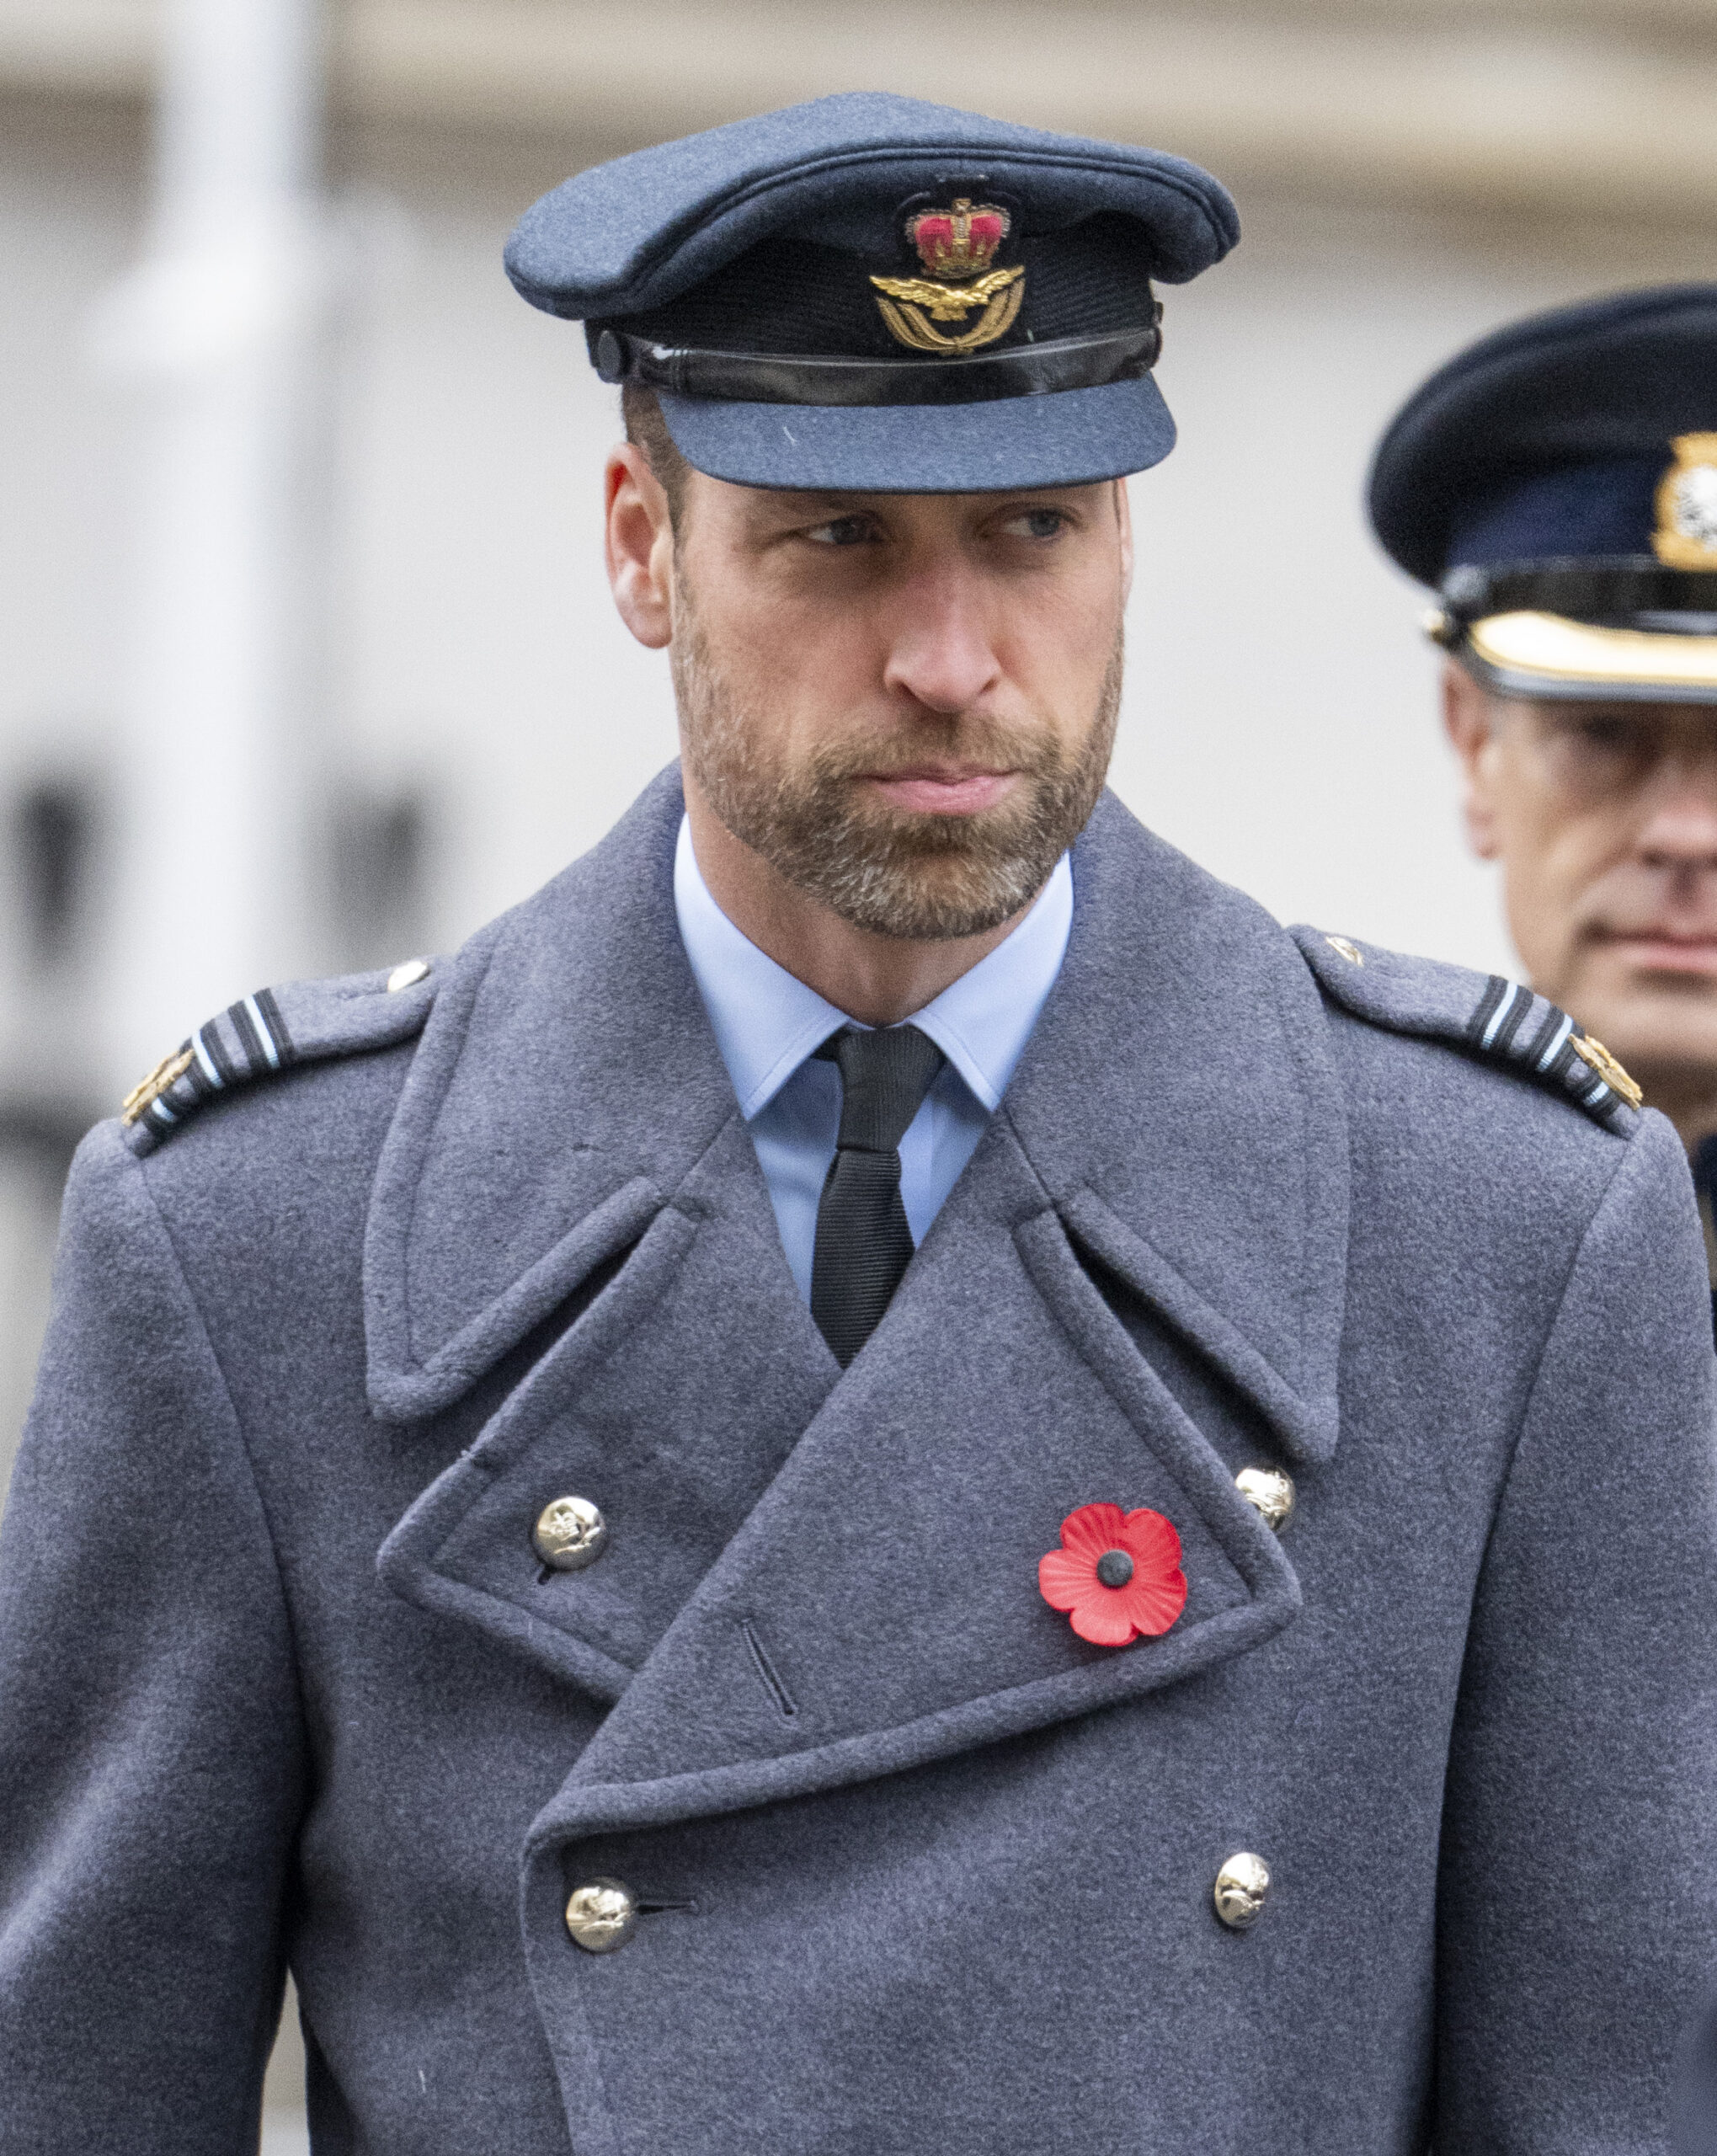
791, 500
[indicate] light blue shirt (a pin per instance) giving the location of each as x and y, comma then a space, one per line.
767, 1024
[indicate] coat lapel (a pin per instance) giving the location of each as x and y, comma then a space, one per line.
568, 1146
1179, 1104
879, 1608
565, 1085
811, 1576
1174, 1126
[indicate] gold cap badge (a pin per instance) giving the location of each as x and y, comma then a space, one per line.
1686, 537
957, 246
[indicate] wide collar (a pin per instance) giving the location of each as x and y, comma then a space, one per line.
1179, 1103
566, 1085
1176, 1103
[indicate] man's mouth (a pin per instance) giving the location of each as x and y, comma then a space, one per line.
943, 789
1657, 950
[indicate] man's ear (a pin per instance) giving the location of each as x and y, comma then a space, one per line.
1468, 719
638, 546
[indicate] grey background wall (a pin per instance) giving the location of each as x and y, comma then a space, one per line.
1408, 176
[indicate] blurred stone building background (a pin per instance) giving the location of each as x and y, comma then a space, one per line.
307, 660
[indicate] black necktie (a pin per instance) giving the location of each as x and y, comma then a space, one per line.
863, 1242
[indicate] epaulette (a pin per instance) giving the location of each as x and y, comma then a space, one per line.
1497, 1020
264, 1034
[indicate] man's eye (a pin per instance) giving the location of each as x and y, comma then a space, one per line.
1614, 736
1038, 524
1602, 748
841, 531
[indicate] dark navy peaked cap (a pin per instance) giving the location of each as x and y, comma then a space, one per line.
1559, 482
869, 292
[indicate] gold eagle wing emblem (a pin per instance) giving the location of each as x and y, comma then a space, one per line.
947, 302
910, 305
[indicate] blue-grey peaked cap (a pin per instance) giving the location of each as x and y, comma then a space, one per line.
734, 272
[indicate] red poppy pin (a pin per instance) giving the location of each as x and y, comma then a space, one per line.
1117, 1574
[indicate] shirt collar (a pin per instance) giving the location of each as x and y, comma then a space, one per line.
766, 1022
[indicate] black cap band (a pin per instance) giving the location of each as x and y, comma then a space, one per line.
1618, 588
771, 378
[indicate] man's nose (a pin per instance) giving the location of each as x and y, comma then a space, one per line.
942, 651
1680, 829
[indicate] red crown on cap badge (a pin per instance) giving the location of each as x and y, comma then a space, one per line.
958, 243
957, 246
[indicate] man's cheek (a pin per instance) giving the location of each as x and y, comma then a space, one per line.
1541, 880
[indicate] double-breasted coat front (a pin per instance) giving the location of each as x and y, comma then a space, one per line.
283, 1678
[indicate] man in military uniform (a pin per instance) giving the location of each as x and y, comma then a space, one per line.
885, 1476
1558, 483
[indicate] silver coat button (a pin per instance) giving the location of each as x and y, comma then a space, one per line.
1271, 1490
601, 1915
406, 975
1240, 1887
569, 1534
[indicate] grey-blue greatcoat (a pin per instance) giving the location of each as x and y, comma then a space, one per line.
927, 1873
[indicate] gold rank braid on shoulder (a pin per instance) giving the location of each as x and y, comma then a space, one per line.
1513, 1024
1593, 1052
1487, 1016
264, 1035
149, 1090
248, 1040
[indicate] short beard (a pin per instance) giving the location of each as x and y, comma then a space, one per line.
912, 876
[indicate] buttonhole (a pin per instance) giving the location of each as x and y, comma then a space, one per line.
767, 1671
546, 1575
666, 1908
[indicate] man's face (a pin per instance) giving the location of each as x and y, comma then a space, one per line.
1604, 817
905, 703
